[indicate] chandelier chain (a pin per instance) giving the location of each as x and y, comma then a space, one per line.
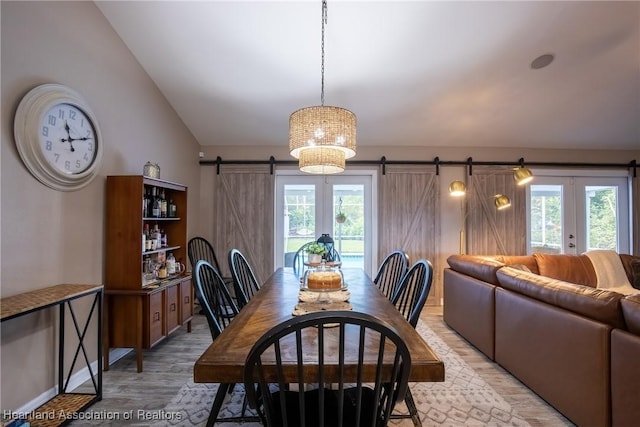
324, 21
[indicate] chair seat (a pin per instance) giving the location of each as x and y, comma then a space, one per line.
331, 405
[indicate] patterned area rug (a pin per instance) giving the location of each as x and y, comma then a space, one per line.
463, 399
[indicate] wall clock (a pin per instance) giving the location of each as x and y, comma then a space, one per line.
58, 137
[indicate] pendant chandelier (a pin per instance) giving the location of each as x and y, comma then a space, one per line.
322, 137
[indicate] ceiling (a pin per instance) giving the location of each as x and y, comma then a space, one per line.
416, 73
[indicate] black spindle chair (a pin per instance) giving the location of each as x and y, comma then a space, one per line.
350, 402
219, 309
409, 299
244, 281
391, 271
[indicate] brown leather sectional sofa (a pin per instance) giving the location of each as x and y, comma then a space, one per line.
542, 319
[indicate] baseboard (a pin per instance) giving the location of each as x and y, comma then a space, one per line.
75, 381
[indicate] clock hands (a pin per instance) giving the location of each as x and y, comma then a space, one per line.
69, 139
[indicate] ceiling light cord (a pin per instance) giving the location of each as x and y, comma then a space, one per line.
324, 21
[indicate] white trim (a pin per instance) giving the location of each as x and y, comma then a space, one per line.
75, 381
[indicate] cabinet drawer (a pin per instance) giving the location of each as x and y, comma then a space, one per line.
173, 315
155, 317
186, 301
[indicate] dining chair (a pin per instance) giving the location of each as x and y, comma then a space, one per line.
410, 298
338, 400
391, 271
244, 281
199, 248
219, 309
301, 257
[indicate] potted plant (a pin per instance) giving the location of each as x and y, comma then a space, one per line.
315, 251
341, 218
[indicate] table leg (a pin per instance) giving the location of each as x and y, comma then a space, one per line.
105, 335
139, 337
217, 404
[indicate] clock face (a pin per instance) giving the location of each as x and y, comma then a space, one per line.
67, 138
58, 137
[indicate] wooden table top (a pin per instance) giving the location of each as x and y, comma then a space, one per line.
223, 361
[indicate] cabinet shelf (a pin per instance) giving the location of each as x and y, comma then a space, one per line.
153, 218
167, 249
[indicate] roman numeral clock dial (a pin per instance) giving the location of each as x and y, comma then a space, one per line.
58, 137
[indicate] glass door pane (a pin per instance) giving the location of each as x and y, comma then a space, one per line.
299, 218
546, 226
348, 229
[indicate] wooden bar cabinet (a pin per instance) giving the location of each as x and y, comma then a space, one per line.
141, 311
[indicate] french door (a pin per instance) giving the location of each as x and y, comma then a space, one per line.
307, 206
571, 215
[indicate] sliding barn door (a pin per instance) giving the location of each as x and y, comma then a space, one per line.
408, 206
243, 216
490, 231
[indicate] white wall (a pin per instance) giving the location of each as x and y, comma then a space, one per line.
50, 237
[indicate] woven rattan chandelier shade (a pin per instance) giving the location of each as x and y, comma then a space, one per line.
322, 160
322, 126
322, 137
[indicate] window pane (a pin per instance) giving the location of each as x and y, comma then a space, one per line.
601, 215
348, 236
299, 219
546, 219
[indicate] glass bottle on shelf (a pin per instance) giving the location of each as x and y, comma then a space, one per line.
173, 209
171, 264
163, 204
155, 211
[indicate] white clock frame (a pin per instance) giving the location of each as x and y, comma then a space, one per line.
28, 119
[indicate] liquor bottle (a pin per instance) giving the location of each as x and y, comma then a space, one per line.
155, 211
163, 204
157, 236
144, 202
173, 209
163, 239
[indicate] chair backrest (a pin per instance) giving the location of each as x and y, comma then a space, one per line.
199, 248
244, 281
301, 257
216, 302
413, 291
391, 271
346, 334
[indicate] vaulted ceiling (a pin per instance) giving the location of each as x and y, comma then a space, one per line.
416, 73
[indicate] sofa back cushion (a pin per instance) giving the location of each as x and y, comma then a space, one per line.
481, 268
631, 311
568, 268
631, 266
598, 304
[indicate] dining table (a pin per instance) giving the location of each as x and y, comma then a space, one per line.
223, 361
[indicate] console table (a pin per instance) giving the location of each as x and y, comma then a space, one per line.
61, 296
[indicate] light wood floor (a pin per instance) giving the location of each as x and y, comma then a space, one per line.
170, 364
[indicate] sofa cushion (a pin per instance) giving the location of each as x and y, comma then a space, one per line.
525, 260
632, 268
481, 268
568, 268
631, 311
597, 304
